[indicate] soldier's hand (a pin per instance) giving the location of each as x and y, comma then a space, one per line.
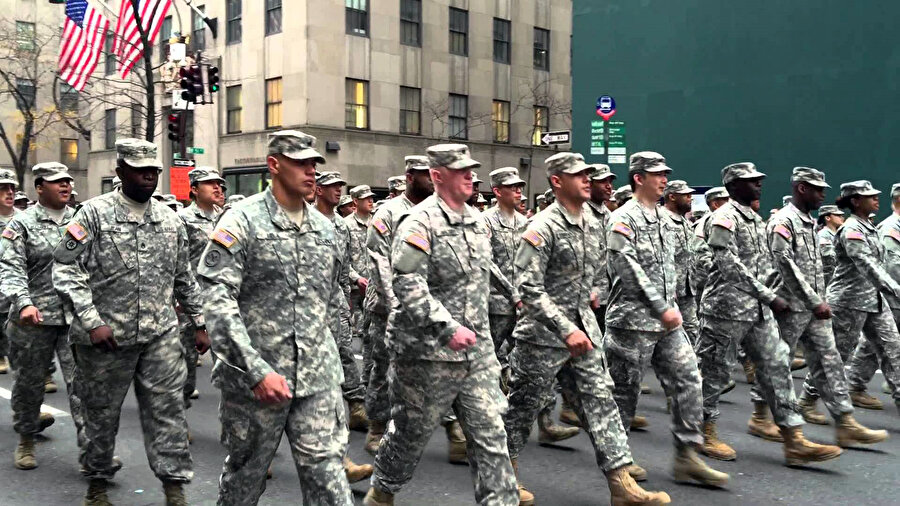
362, 283
520, 304
29, 315
578, 343
273, 389
102, 337
822, 311
595, 301
463, 338
201, 341
779, 305
671, 319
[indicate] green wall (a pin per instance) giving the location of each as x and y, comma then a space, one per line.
779, 83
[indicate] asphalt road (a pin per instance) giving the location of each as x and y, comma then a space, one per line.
563, 475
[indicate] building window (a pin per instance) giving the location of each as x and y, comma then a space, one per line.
109, 129
500, 121
357, 17
68, 152
25, 35
109, 63
235, 106
273, 16
68, 98
541, 124
198, 30
459, 32
541, 49
25, 93
164, 33
459, 114
411, 22
357, 104
273, 102
410, 110
233, 15
501, 40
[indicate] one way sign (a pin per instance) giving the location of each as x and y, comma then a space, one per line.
560, 137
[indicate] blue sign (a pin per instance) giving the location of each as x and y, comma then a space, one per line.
606, 107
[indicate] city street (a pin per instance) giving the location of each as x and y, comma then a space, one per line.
563, 475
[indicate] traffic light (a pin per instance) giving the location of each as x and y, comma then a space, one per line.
191, 83
213, 79
175, 126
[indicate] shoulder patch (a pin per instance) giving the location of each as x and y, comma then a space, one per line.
77, 231
623, 229
782, 231
419, 241
895, 234
224, 238
10, 234
533, 238
855, 235
380, 226
726, 223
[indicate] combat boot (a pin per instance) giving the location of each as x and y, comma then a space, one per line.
688, 466
637, 472
45, 420
639, 422
885, 388
798, 450
174, 491
4, 365
623, 491
526, 498
645, 389
568, 416
96, 493
797, 364
456, 443
356, 472
862, 399
850, 432
750, 371
24, 457
504, 380
375, 497
50, 385
358, 419
761, 424
373, 437
729, 387
549, 433
809, 412
714, 447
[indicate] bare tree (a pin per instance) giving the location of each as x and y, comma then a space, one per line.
438, 112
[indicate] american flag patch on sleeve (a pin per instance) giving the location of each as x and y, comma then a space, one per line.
725, 223
855, 235
419, 241
623, 229
533, 238
895, 234
224, 237
77, 231
380, 226
9, 233
783, 231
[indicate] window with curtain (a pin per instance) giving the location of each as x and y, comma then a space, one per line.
459, 116
500, 121
273, 103
357, 104
459, 32
410, 110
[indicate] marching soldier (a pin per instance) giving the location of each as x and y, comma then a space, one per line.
677, 200
8, 184
396, 186
830, 220
346, 206
358, 223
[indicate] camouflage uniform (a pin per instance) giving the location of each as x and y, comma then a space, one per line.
113, 268
8, 177
825, 237
684, 241
601, 287
441, 261
277, 291
359, 261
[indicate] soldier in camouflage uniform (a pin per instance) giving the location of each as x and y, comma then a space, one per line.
800, 280
8, 184
622, 195
830, 219
37, 326
396, 186
677, 199
358, 223
117, 267
346, 206
271, 273
736, 309
439, 338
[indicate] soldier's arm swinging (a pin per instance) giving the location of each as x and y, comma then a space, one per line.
860, 254
783, 255
733, 270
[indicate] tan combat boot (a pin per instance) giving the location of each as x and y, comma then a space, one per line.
373, 437
761, 424
456, 443
174, 491
750, 371
356, 472
4, 365
568, 416
358, 420
24, 456
96, 494
50, 385
375, 497
550, 433
688, 466
45, 420
714, 447
637, 472
639, 422
850, 432
809, 412
862, 399
798, 450
526, 498
623, 491
645, 389
797, 364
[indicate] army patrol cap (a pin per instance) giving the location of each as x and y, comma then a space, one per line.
549, 196
138, 153
481, 199
743, 170
699, 213
566, 163
861, 188
601, 172
678, 187
505, 176
785, 200
20, 195
540, 199
622, 194
810, 176
416, 162
523, 198
647, 161
329, 178
397, 183
7, 176
237, 197
345, 199
830, 209
361, 192
295, 145
716, 192
895, 190
451, 156
50, 171
475, 179
202, 174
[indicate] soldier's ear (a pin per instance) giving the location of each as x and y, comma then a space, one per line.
272, 163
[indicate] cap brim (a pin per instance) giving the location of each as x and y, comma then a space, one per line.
305, 154
209, 178
683, 191
818, 184
513, 181
753, 175
603, 177
417, 167
464, 164
143, 163
868, 193
578, 168
365, 195
331, 182
9, 181
57, 177
658, 168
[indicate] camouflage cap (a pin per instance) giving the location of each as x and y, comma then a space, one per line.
73, 193
116, 182
416, 162
345, 199
540, 199
201, 174
329, 178
699, 213
830, 209
138, 153
567, 163
505, 176
50, 171
475, 179
397, 183
294, 144
622, 194
361, 192
549, 196
20, 195
861, 188
786, 199
481, 199
647, 161
743, 170
716, 192
169, 198
678, 187
7, 176
601, 172
810, 176
523, 198
452, 156
895, 190
237, 197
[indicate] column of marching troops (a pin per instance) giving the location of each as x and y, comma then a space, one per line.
471, 320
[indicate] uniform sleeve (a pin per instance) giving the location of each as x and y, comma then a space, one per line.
532, 257
187, 290
890, 238
221, 271
13, 267
505, 283
701, 259
858, 250
829, 258
781, 237
69, 275
379, 249
720, 237
622, 258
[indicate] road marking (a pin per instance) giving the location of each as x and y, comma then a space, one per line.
6, 394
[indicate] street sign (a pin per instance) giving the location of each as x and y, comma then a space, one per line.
179, 183
598, 145
184, 163
606, 107
196, 151
560, 137
614, 159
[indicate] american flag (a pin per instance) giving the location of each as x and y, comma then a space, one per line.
82, 39
127, 46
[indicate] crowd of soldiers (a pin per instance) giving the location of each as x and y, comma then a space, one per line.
470, 317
